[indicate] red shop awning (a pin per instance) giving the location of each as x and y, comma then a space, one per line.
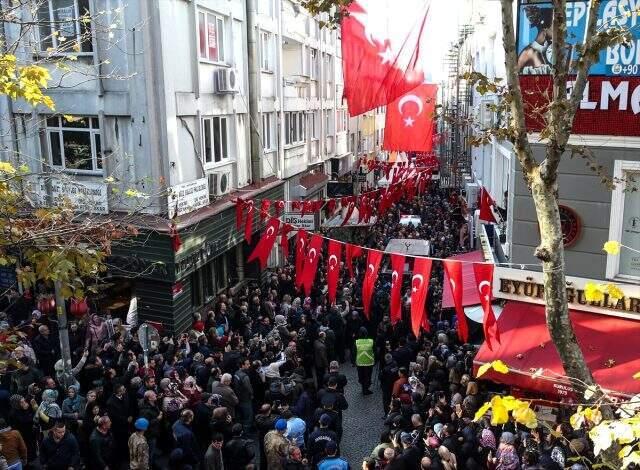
469, 292
608, 343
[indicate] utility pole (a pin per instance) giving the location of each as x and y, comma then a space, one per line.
63, 333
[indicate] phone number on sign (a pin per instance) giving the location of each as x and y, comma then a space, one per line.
631, 69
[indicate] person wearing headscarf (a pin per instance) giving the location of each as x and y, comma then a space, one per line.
48, 411
73, 407
506, 457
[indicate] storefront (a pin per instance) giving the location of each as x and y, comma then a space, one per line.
170, 286
607, 332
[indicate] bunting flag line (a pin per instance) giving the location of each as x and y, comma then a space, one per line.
264, 209
484, 280
266, 242
486, 202
176, 241
311, 263
454, 272
374, 257
381, 51
350, 207
419, 291
284, 239
333, 268
352, 251
397, 273
248, 223
301, 252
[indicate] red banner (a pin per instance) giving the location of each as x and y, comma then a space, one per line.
484, 279
311, 262
301, 252
454, 271
284, 239
419, 291
352, 251
248, 223
333, 269
374, 257
264, 246
397, 272
409, 120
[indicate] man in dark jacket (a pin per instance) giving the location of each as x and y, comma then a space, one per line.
60, 450
244, 392
320, 358
319, 438
334, 371
102, 448
149, 410
119, 412
185, 439
411, 454
388, 375
238, 451
228, 397
46, 349
26, 375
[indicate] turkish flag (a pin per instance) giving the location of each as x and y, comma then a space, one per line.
484, 279
264, 208
333, 269
454, 272
409, 121
419, 291
397, 271
350, 208
284, 239
374, 257
352, 251
486, 202
239, 213
248, 223
301, 251
176, 241
311, 263
264, 246
279, 207
380, 51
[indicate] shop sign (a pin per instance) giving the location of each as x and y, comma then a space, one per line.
306, 222
197, 258
527, 286
8, 277
187, 197
87, 196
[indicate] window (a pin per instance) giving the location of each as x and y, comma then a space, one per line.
215, 141
64, 19
624, 225
328, 122
268, 141
313, 118
75, 145
196, 289
294, 127
266, 46
211, 36
342, 120
266, 7
313, 72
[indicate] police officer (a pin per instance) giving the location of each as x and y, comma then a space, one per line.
364, 359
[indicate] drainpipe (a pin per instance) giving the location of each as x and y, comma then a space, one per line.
254, 91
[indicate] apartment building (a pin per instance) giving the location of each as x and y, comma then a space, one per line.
192, 104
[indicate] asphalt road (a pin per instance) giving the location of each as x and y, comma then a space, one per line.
362, 421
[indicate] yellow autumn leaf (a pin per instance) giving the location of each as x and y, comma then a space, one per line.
7, 168
593, 292
632, 458
614, 291
602, 438
577, 419
500, 366
612, 247
482, 411
594, 415
526, 416
70, 118
636, 376
483, 369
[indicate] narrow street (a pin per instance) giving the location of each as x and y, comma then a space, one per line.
363, 420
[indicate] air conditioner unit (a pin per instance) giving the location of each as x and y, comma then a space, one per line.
219, 183
227, 80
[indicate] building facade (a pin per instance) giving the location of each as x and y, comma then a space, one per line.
182, 107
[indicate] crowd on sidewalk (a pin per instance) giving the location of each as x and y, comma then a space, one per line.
257, 381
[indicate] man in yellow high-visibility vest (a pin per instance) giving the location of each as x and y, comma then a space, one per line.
364, 360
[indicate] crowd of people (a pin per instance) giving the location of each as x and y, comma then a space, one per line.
258, 381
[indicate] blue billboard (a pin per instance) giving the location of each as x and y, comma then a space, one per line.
534, 36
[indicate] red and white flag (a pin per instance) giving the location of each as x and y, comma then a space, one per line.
264, 246
264, 208
284, 239
419, 292
311, 263
248, 223
239, 213
486, 203
351, 201
409, 121
454, 273
352, 251
484, 279
374, 257
333, 269
301, 252
381, 50
397, 271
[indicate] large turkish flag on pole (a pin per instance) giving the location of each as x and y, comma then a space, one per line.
409, 122
419, 291
454, 273
374, 258
484, 279
381, 50
311, 263
301, 252
333, 269
264, 246
397, 271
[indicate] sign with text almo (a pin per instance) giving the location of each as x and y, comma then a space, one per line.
307, 222
527, 286
187, 197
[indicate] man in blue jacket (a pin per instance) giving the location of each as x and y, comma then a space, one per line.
333, 462
185, 439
